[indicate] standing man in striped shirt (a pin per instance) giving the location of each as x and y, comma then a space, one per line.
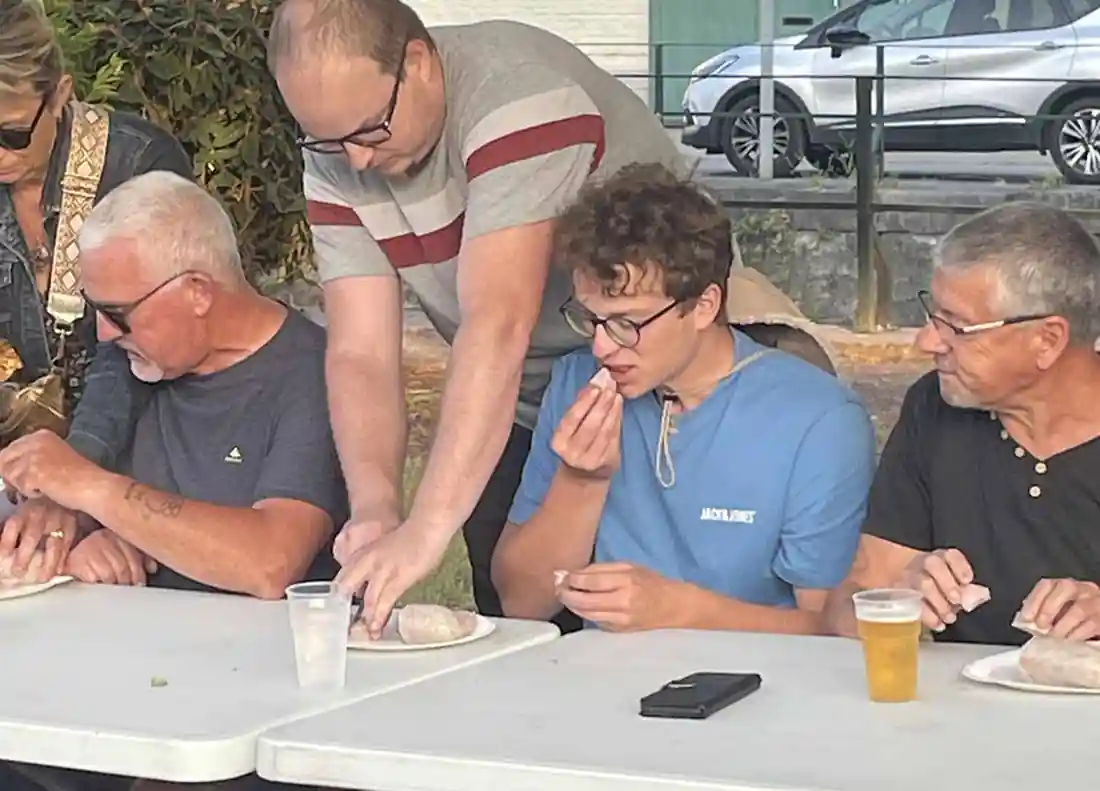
440, 158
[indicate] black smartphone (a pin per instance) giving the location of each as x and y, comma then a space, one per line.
699, 695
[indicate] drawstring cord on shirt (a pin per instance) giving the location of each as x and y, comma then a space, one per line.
663, 453
663, 456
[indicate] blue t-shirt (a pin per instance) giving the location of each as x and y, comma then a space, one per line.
772, 473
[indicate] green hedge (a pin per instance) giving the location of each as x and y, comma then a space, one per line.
197, 68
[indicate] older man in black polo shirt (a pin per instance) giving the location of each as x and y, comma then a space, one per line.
992, 474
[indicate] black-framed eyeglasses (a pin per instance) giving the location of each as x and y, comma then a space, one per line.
625, 332
20, 139
948, 329
365, 136
118, 313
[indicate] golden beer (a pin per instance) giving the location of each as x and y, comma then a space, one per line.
889, 628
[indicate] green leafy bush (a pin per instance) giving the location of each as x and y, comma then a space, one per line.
197, 68
94, 82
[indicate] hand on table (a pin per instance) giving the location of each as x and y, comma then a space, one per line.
38, 525
388, 567
619, 597
105, 558
939, 576
44, 465
1064, 608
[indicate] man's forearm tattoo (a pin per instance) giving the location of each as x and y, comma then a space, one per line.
154, 503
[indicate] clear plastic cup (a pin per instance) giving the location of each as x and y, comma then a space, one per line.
889, 628
319, 620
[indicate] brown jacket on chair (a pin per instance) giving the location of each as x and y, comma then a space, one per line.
756, 307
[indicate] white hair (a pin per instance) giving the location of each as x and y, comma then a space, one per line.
1044, 262
175, 224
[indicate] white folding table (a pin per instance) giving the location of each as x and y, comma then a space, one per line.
174, 685
564, 715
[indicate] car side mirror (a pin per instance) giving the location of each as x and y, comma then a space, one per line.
845, 37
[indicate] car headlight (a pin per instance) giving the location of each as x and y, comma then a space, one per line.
709, 67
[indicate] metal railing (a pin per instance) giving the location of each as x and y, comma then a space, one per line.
867, 146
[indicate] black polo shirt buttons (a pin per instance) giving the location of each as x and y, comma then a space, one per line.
1035, 491
1040, 468
1019, 453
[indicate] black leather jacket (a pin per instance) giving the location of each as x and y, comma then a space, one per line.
112, 398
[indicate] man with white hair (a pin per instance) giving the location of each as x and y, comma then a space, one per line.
232, 481
991, 476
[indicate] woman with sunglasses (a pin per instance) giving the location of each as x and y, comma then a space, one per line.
58, 157
37, 152
39, 157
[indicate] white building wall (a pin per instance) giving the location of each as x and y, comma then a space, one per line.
614, 33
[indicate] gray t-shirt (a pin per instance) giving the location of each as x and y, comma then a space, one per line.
254, 431
530, 121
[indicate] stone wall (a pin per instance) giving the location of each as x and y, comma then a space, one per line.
811, 252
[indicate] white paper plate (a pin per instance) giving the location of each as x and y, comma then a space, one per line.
19, 591
1003, 670
389, 641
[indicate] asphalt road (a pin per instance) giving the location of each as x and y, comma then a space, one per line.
1010, 166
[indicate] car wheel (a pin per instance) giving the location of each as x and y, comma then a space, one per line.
740, 130
1073, 140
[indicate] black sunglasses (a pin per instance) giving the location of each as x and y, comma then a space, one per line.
365, 136
119, 313
625, 332
20, 139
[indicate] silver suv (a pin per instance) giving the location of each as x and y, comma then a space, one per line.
972, 74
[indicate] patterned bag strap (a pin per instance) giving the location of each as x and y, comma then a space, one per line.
79, 185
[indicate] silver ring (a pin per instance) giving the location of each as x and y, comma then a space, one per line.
56, 534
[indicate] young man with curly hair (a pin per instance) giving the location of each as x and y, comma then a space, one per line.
681, 475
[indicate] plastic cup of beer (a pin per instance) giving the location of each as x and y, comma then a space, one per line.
889, 628
319, 620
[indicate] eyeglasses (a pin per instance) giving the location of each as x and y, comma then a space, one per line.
949, 330
119, 313
20, 139
365, 136
625, 332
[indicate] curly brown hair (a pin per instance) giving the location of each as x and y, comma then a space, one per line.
649, 218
